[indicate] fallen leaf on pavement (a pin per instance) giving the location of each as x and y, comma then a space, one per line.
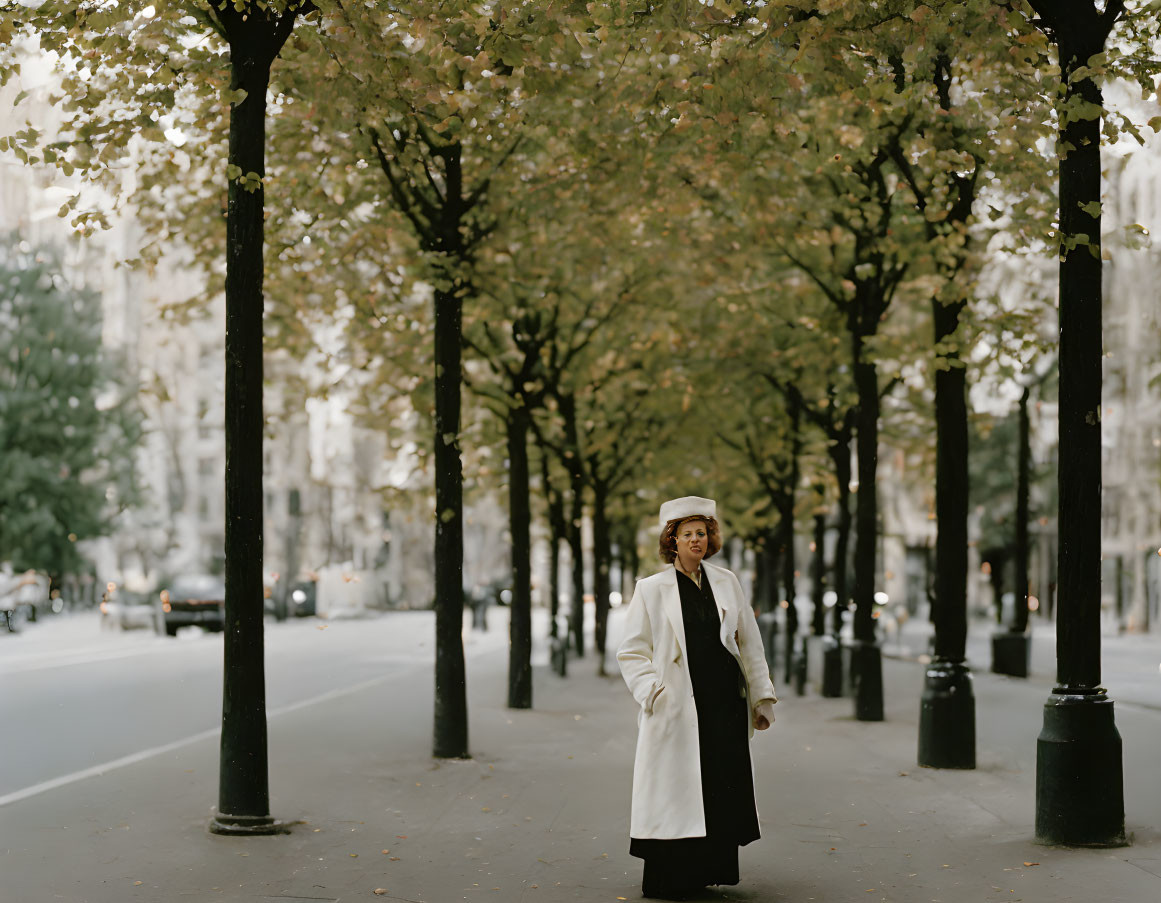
353, 855
138, 883
486, 809
1030, 864
323, 627
400, 836
380, 891
385, 852
394, 858
902, 774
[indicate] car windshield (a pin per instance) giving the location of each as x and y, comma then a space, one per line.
200, 586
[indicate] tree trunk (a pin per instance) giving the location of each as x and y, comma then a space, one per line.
601, 560
789, 559
997, 560
951, 492
1079, 768
450, 734
818, 576
866, 657
1078, 609
866, 499
576, 548
632, 559
788, 589
450, 728
519, 518
1023, 490
840, 454
556, 533
243, 783
576, 478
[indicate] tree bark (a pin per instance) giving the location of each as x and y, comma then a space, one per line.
951, 492
818, 576
556, 533
789, 561
1078, 613
1023, 490
866, 499
243, 785
450, 730
576, 478
576, 548
601, 561
840, 453
1079, 767
519, 521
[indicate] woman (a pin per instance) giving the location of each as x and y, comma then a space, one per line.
693, 660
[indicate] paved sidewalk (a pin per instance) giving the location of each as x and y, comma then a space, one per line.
1129, 662
540, 814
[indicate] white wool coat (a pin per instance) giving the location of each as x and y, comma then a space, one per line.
667, 801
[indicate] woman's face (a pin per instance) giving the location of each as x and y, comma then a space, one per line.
692, 542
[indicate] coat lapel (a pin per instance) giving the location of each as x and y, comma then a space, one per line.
728, 607
671, 603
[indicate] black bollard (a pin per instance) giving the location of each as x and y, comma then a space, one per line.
1011, 653
867, 673
832, 668
1080, 798
947, 717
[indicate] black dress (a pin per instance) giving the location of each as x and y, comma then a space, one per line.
676, 867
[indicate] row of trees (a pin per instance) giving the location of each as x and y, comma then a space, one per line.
681, 245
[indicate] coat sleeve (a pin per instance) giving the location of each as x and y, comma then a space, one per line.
635, 655
753, 652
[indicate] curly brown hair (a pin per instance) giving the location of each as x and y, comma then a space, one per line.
668, 545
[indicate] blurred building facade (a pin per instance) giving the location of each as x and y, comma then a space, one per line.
326, 479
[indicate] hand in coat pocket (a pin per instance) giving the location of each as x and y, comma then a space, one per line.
764, 716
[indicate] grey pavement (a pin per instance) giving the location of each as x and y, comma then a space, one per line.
540, 813
1130, 663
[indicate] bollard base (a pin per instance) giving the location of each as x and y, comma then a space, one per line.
247, 825
867, 671
947, 717
832, 668
558, 656
799, 667
1080, 793
1011, 653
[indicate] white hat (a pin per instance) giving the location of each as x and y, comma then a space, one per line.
689, 506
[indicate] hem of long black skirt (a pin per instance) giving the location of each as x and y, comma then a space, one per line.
675, 868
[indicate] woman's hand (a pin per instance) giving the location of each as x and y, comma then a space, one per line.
763, 716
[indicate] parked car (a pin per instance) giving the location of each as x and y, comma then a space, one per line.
194, 599
303, 599
127, 610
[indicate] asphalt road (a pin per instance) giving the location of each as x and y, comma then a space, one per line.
77, 698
